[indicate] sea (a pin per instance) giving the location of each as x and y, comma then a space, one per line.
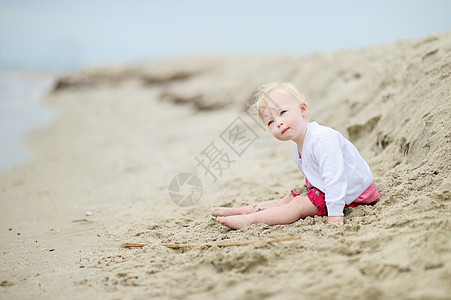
21, 112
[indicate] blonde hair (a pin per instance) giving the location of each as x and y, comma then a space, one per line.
262, 97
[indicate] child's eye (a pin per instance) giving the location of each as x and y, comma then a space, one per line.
270, 122
282, 112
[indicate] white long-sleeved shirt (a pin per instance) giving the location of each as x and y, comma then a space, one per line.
333, 165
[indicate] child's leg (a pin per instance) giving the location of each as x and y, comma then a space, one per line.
230, 211
299, 207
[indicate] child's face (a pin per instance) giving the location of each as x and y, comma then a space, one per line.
285, 117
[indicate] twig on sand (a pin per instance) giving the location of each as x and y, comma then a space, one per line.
133, 245
220, 244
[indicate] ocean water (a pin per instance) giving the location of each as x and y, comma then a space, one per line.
20, 113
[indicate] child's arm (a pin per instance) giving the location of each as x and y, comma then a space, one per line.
338, 220
332, 169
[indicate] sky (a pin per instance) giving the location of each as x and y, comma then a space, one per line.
63, 34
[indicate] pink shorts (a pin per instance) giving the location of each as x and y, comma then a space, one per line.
369, 196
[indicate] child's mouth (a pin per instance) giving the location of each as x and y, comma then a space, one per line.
283, 131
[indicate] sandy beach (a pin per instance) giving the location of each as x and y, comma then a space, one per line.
102, 170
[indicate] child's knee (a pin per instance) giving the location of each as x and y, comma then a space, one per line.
303, 204
296, 203
286, 199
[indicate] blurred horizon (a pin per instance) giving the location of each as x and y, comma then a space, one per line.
67, 35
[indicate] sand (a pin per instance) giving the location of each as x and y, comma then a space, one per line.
102, 169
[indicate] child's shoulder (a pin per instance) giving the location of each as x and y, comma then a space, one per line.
322, 130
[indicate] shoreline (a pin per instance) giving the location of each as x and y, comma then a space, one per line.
22, 112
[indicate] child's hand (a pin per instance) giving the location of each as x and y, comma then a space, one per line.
338, 220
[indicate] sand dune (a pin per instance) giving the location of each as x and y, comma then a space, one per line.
102, 170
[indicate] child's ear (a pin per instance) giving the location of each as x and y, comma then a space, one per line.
303, 108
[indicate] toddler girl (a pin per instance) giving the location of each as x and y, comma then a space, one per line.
336, 174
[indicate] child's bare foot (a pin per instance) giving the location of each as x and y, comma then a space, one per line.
231, 211
235, 222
